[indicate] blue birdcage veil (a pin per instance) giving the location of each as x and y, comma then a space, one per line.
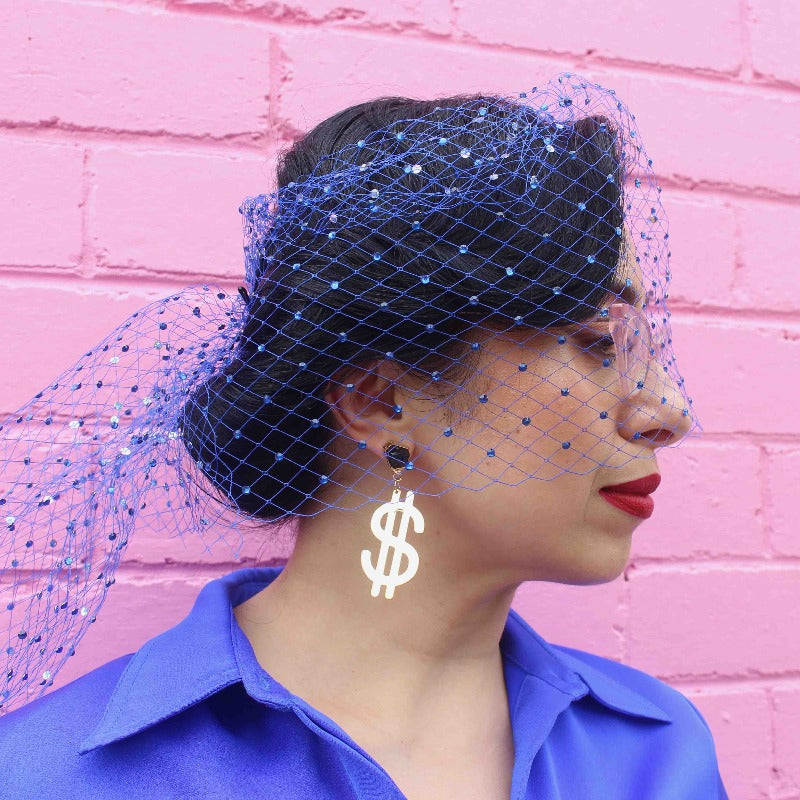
533, 218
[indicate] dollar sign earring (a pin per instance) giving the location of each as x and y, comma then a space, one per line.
382, 525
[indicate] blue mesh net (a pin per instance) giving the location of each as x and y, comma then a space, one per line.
502, 261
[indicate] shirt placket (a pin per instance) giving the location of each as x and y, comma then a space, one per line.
370, 781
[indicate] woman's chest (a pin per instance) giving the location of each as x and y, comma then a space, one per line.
483, 780
443, 769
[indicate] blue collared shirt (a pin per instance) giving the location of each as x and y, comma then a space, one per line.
192, 714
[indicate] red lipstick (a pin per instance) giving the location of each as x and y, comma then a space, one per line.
633, 496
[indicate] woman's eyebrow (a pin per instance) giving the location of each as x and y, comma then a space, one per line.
590, 325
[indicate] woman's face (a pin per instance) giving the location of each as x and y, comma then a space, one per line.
538, 509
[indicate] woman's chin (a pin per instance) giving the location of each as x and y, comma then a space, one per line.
604, 564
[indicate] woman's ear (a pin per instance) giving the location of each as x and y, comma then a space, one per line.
368, 405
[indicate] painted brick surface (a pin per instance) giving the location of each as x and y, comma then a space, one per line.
786, 701
730, 367
702, 235
135, 68
321, 80
142, 219
418, 16
130, 130
40, 209
728, 621
782, 480
747, 761
708, 504
586, 617
719, 133
80, 313
774, 49
623, 30
768, 253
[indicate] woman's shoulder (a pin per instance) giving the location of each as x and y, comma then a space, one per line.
616, 685
39, 741
684, 735
674, 703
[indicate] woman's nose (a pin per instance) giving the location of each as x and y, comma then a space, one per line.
658, 412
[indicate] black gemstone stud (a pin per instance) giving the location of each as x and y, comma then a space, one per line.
396, 455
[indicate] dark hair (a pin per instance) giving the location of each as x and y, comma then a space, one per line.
235, 436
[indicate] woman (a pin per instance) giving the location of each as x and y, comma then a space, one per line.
459, 295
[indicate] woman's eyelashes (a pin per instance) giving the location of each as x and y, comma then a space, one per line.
602, 344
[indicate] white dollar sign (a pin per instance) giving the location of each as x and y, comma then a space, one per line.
400, 547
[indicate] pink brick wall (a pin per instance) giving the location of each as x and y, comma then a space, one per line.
130, 131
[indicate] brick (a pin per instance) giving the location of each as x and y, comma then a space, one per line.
431, 16
732, 374
739, 135
725, 126
623, 30
44, 334
708, 503
782, 480
330, 70
693, 131
774, 49
172, 212
787, 742
40, 206
769, 245
133, 69
702, 235
153, 545
584, 617
740, 723
711, 622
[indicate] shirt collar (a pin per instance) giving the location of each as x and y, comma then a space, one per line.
575, 674
183, 665
207, 651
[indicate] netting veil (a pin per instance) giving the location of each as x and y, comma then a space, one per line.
507, 256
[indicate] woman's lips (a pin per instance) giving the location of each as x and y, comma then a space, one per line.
633, 496
645, 485
640, 505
